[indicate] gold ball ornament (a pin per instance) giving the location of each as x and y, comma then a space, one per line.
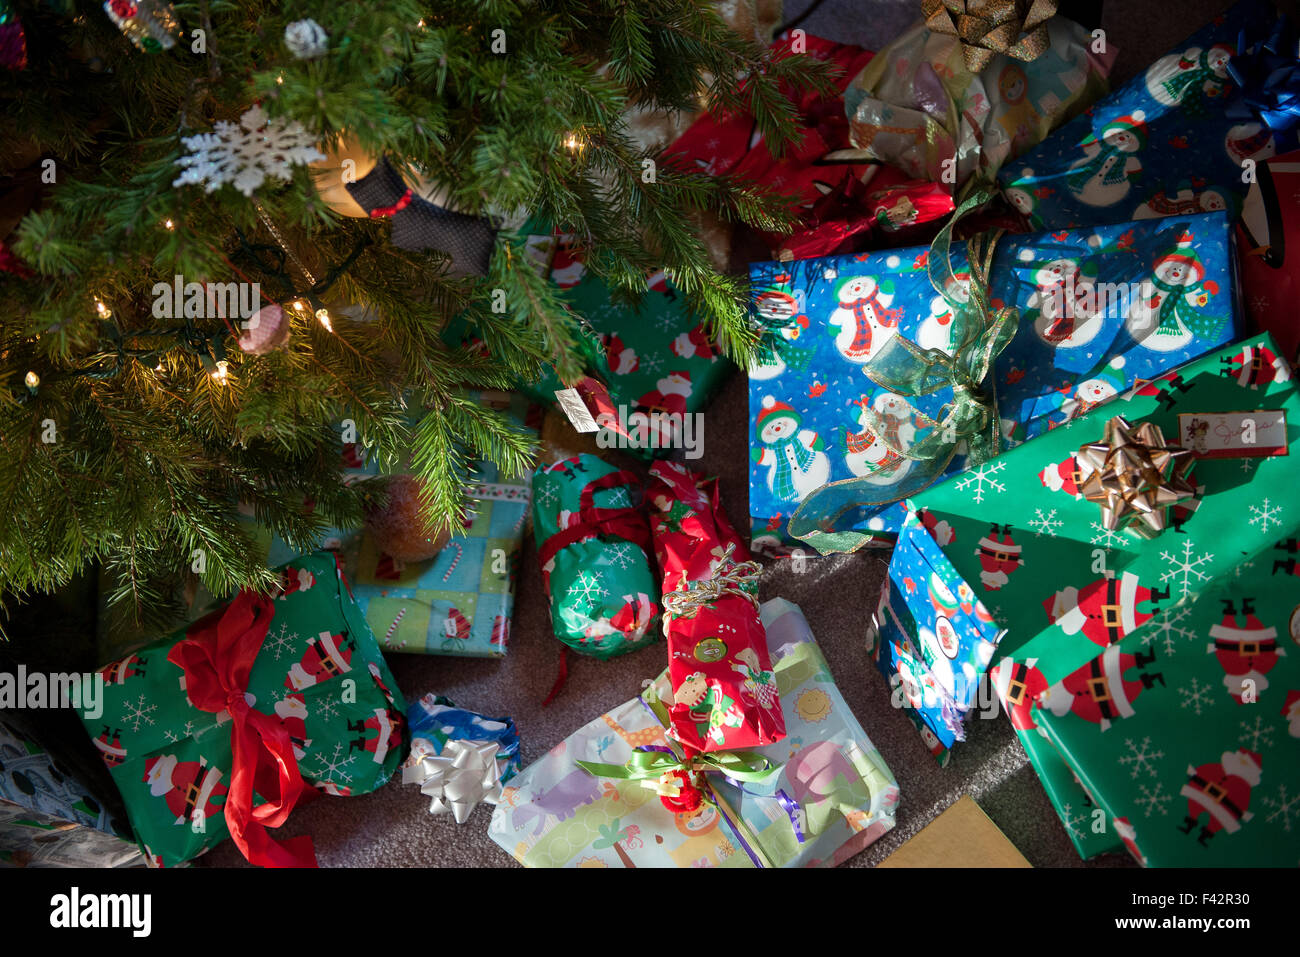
398, 529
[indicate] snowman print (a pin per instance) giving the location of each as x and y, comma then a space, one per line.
1066, 302
863, 318
780, 311
936, 331
867, 455
1109, 165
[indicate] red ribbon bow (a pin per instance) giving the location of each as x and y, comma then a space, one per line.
217, 656
625, 522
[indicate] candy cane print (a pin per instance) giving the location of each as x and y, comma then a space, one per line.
455, 561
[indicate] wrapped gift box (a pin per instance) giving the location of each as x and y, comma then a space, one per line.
1170, 142
1269, 235
317, 673
918, 107
49, 817
1185, 732
1100, 309
650, 357
556, 814
1049, 581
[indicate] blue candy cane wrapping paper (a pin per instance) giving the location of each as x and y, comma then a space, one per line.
1102, 310
1173, 140
556, 814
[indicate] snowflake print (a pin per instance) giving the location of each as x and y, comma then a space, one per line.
617, 498
547, 495
1107, 538
1259, 735
136, 713
171, 736
327, 708
1248, 465
246, 154
1168, 629
1076, 824
1045, 524
1264, 514
651, 363
667, 322
1197, 696
1141, 757
1183, 567
280, 643
588, 588
1282, 807
980, 477
332, 767
620, 554
1153, 799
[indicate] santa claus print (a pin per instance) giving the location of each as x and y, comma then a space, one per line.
1221, 793
1291, 711
622, 359
1246, 649
1128, 836
190, 788
1018, 685
327, 656
109, 745
377, 735
999, 556
1255, 366
293, 580
1162, 388
694, 344
292, 712
1065, 476
669, 395
120, 671
863, 319
1099, 692
1106, 610
940, 530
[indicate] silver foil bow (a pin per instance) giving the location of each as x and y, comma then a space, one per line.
464, 774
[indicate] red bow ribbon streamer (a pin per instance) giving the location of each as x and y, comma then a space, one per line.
217, 656
624, 522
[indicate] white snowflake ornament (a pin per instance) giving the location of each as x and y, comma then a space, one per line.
306, 39
247, 154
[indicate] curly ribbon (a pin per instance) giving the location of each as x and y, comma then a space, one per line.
729, 578
1267, 79
985, 28
625, 522
217, 655
1135, 476
980, 331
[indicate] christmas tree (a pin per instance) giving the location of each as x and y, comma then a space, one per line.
161, 159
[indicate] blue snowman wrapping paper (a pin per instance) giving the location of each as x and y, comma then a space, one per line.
1102, 310
1172, 141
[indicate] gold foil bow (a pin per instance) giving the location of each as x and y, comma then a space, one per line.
463, 774
1134, 475
986, 28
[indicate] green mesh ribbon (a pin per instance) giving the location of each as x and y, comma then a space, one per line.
970, 421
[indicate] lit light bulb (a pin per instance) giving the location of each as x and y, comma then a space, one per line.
420, 24
298, 306
221, 371
280, 79
103, 310
167, 223
32, 380
572, 143
323, 315
158, 367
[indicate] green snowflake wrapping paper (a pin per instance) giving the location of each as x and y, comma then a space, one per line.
1053, 586
593, 544
317, 678
651, 357
1186, 733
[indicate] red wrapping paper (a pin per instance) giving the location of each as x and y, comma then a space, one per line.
718, 664
1270, 251
840, 191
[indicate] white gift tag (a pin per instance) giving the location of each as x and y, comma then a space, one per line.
573, 407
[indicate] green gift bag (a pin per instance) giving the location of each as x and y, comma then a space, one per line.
218, 730
592, 546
